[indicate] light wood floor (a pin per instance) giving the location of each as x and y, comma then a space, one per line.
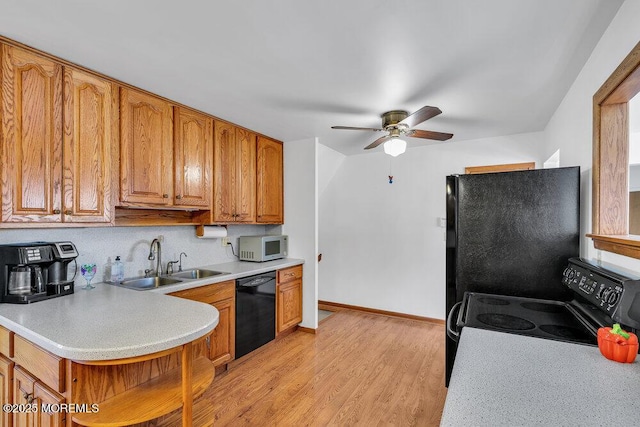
359, 369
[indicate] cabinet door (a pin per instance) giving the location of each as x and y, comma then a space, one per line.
6, 388
193, 151
289, 305
245, 202
270, 188
224, 172
90, 108
32, 137
45, 398
223, 338
23, 395
146, 149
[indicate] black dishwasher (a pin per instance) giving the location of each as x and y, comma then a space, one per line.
255, 312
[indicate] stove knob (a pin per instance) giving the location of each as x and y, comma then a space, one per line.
612, 298
570, 274
604, 295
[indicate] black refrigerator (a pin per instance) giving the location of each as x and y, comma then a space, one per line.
510, 233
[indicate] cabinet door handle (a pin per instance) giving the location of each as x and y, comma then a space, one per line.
56, 211
68, 212
165, 196
28, 397
178, 197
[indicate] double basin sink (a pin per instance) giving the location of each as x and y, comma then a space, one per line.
143, 283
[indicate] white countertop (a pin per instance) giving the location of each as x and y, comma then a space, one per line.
502, 379
111, 322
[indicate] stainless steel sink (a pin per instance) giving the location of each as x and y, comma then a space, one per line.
196, 273
148, 282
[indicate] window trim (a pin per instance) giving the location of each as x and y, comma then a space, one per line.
610, 198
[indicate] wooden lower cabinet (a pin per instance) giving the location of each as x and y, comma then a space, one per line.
289, 305
223, 338
6, 389
29, 391
124, 391
288, 298
223, 297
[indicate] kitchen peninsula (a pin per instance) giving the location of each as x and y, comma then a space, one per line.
101, 347
117, 347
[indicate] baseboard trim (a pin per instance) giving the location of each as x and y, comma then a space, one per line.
307, 330
333, 306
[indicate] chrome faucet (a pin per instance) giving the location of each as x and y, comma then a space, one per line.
152, 255
170, 267
180, 265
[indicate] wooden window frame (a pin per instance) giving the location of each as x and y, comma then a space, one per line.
500, 168
610, 196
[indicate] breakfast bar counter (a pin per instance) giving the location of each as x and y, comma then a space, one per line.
109, 323
502, 379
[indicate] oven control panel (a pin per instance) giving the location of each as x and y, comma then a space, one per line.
612, 290
600, 291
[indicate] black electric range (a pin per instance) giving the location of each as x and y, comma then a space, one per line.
554, 320
602, 297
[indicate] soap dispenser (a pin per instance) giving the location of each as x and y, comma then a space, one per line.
117, 271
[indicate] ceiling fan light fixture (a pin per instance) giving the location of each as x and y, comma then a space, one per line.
395, 146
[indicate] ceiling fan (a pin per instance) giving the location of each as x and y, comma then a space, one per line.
400, 123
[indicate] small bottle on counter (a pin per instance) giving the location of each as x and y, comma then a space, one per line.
117, 270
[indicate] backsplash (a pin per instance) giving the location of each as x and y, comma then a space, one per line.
102, 244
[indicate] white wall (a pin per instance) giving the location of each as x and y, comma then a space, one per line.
301, 218
570, 128
381, 244
102, 244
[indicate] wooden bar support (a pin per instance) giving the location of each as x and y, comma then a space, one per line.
187, 387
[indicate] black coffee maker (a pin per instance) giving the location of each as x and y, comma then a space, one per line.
31, 272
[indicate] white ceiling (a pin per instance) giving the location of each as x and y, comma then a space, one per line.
291, 68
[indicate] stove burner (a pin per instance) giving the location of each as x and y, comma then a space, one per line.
505, 321
543, 307
493, 301
567, 332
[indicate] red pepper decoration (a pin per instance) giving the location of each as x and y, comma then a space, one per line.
617, 344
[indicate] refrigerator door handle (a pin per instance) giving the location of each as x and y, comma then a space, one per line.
451, 332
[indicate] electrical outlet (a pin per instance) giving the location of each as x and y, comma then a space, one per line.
225, 241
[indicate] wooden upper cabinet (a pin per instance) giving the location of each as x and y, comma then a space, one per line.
146, 149
193, 152
270, 181
32, 137
90, 133
234, 174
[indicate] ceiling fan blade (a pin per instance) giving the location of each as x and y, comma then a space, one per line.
352, 128
428, 134
378, 141
425, 113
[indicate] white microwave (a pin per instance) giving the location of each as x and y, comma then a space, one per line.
262, 248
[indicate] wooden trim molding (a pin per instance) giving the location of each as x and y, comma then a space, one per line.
610, 193
307, 330
500, 168
628, 245
334, 306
